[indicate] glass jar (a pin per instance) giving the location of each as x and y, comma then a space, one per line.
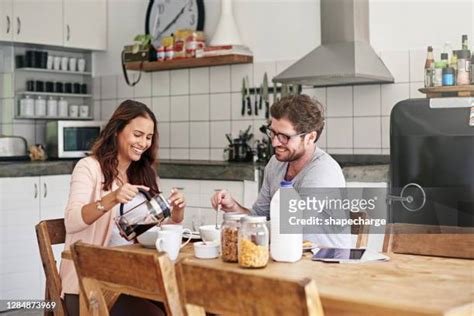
230, 236
253, 242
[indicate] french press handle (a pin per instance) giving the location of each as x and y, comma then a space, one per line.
144, 192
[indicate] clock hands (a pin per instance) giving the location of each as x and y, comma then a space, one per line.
172, 22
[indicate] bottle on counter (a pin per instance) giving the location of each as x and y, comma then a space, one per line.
429, 68
444, 59
283, 247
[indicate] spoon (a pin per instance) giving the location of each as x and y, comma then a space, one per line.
217, 215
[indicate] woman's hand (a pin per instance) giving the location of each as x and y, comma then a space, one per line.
127, 192
177, 201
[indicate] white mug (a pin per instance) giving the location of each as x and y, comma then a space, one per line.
57, 63
169, 241
83, 110
73, 110
81, 64
72, 64
64, 63
50, 62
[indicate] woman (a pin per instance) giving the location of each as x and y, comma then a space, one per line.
122, 161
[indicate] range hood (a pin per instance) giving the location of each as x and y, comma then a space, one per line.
345, 56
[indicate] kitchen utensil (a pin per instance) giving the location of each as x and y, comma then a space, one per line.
257, 97
142, 216
169, 241
266, 96
12, 147
217, 215
229, 138
249, 102
210, 233
244, 93
275, 96
206, 250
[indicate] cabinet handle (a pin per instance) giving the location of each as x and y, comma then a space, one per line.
68, 37
8, 24
36, 190
45, 190
18, 22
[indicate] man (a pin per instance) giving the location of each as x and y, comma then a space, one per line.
296, 124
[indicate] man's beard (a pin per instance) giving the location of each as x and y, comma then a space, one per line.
291, 156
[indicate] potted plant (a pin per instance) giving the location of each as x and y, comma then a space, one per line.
141, 50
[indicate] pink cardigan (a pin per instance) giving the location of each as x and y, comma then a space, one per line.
86, 187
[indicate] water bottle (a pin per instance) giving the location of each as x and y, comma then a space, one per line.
283, 247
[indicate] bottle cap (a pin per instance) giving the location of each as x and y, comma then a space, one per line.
286, 184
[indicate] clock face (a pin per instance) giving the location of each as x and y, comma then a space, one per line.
164, 17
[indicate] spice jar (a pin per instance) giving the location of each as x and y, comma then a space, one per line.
180, 41
168, 46
195, 40
253, 242
464, 60
230, 236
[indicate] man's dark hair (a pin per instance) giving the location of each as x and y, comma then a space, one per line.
306, 114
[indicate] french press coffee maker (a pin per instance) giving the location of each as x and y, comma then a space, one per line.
140, 218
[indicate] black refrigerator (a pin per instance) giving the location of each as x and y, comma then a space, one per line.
432, 161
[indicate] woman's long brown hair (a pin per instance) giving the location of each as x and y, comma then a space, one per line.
105, 148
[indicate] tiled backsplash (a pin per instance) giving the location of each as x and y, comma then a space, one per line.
197, 107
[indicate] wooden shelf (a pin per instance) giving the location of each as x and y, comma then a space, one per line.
448, 91
190, 63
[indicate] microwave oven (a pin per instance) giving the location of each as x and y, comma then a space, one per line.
71, 139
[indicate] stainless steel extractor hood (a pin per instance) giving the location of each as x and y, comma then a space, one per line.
345, 56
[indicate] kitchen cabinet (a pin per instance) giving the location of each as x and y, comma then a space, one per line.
38, 22
82, 32
6, 20
69, 23
24, 201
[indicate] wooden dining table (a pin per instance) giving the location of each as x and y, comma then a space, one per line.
404, 285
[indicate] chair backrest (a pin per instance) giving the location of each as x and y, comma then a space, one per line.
362, 231
430, 240
146, 275
238, 293
48, 233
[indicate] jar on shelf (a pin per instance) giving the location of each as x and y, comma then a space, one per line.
63, 107
40, 106
230, 236
29, 107
52, 107
253, 250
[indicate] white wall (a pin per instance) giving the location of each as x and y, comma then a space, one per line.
409, 24
288, 29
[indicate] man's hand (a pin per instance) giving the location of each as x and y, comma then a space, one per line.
225, 200
127, 192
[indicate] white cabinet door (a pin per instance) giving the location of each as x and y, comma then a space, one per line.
85, 24
54, 192
6, 20
19, 256
38, 22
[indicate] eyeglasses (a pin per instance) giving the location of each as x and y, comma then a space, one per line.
282, 138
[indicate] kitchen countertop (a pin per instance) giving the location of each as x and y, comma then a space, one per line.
190, 169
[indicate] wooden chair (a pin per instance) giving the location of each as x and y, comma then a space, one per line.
216, 291
102, 271
362, 231
48, 233
441, 241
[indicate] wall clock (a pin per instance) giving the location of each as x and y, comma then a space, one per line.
164, 17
